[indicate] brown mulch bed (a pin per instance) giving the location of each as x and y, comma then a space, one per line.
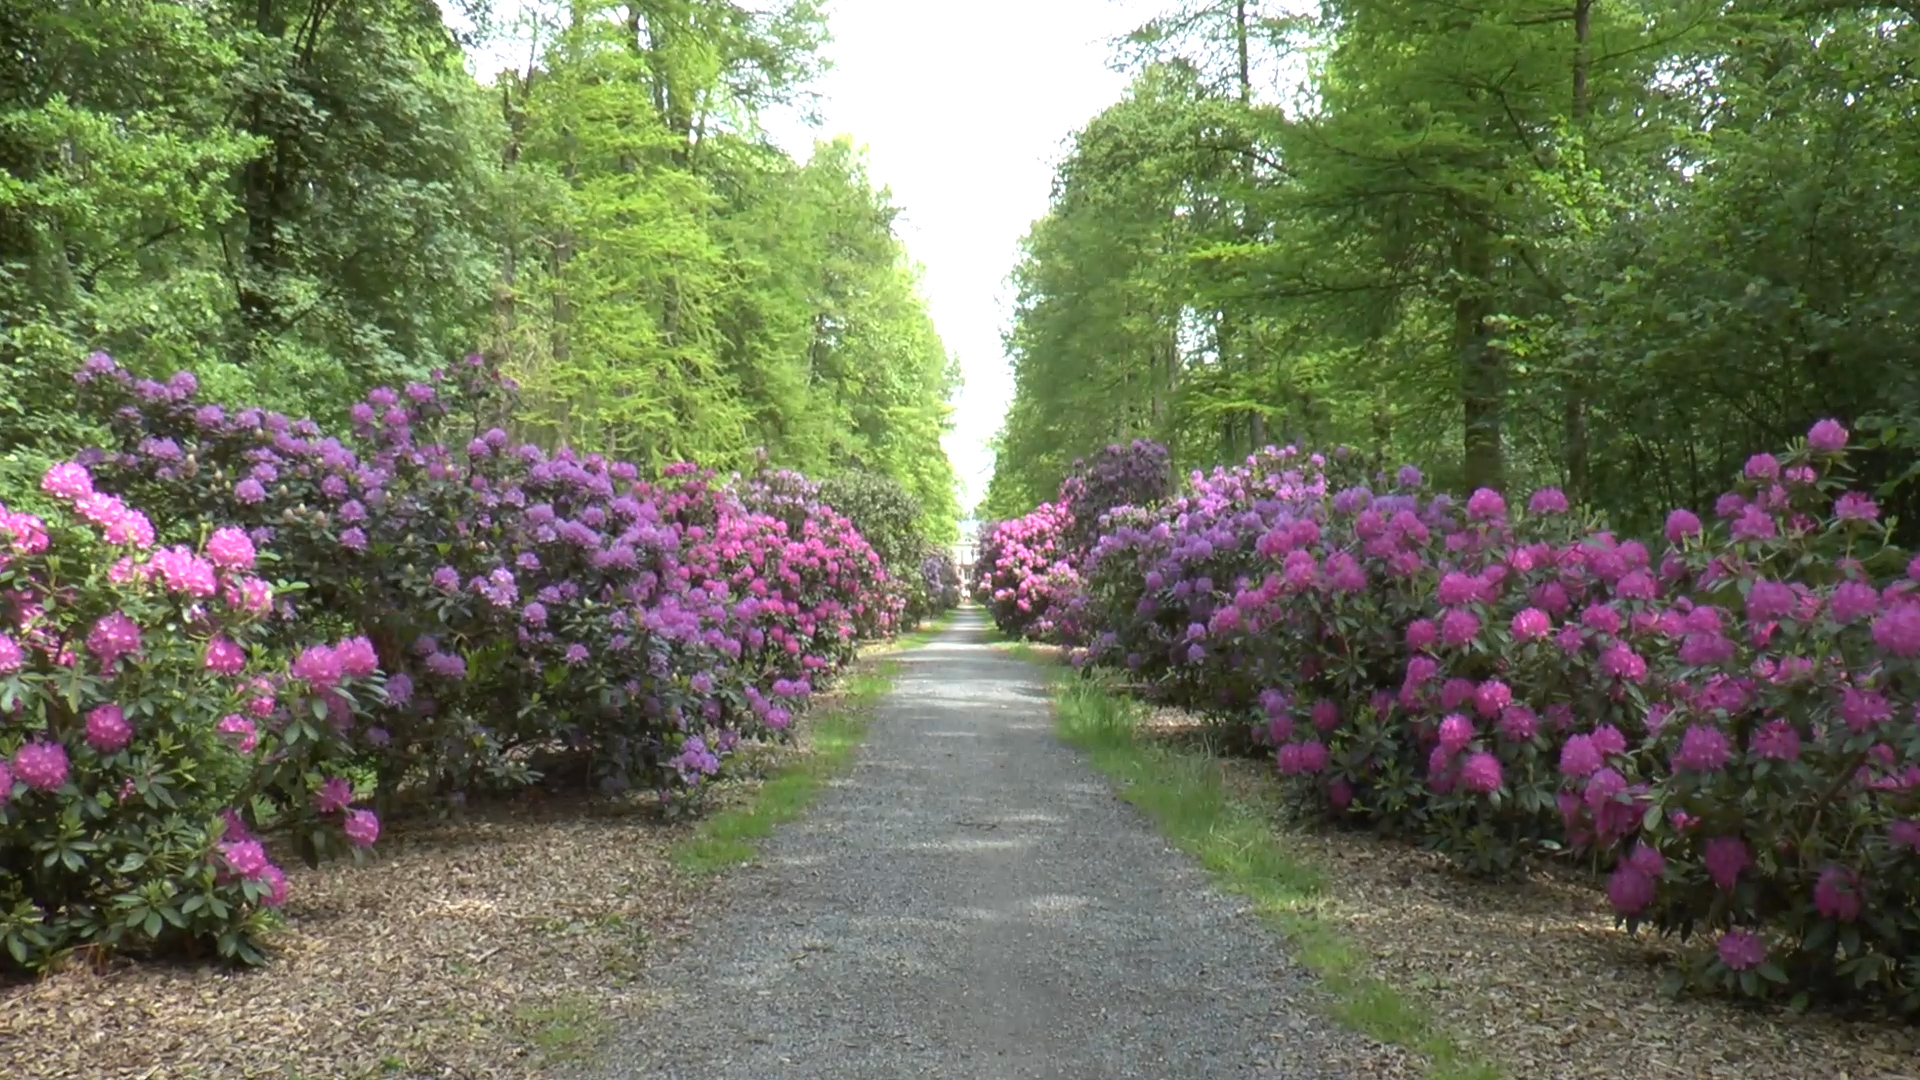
1536, 974
476, 950
499, 947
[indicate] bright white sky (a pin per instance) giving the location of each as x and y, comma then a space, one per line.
963, 108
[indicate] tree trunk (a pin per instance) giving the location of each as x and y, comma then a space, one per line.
1576, 447
1482, 370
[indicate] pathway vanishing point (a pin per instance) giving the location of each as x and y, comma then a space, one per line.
972, 902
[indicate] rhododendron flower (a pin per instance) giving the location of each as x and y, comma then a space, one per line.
225, 657
1517, 722
1603, 788
1853, 600
107, 729
1481, 773
333, 795
41, 766
1681, 524
1579, 757
318, 666
1827, 436
1421, 633
1741, 950
6, 784
362, 828
1777, 741
12, 657
1769, 600
357, 657
1861, 709
1901, 834
1485, 504
1532, 624
1726, 857
1548, 501
447, 665
241, 731
249, 492
1856, 506
1754, 523
1702, 749
1620, 662
1608, 740
1897, 630
1456, 731
1459, 627
1836, 894
1629, 889
112, 637
247, 857
230, 549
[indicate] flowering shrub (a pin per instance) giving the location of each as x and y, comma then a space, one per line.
145, 732
526, 604
1029, 568
1724, 724
890, 519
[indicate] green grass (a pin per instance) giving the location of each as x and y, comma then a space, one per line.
1184, 794
568, 1028
729, 838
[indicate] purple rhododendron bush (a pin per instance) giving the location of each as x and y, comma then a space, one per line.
1724, 723
145, 732
502, 613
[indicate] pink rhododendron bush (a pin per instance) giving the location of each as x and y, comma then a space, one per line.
532, 609
145, 733
1028, 568
1722, 723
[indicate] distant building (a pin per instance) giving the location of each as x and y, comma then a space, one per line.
966, 546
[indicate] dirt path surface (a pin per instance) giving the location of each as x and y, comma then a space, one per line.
973, 902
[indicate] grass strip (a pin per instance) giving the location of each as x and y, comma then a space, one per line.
1183, 793
730, 837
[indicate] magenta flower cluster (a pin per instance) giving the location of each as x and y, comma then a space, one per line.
144, 711
1724, 719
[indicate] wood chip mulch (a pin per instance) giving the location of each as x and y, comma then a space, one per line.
1535, 973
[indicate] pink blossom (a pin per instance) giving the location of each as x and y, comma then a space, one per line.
230, 549
1630, 890
1547, 501
318, 666
1777, 741
241, 730
357, 657
247, 857
1455, 732
12, 657
1856, 506
333, 795
1836, 894
1491, 696
1486, 504
362, 828
1682, 524
41, 766
107, 729
1517, 722
1897, 630
1460, 626
1702, 749
1531, 624
1827, 436
276, 882
1741, 950
1726, 857
1579, 757
1421, 634
112, 637
225, 657
1481, 773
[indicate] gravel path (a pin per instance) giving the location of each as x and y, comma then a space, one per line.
973, 902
